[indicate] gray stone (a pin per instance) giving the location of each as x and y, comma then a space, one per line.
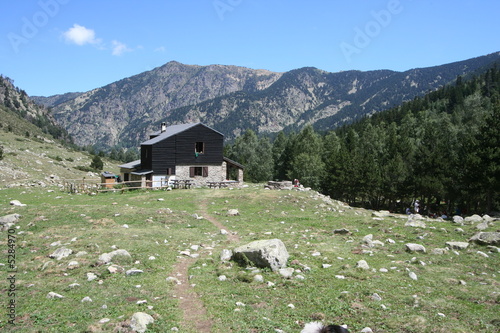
482, 225
134, 271
411, 247
139, 321
457, 245
362, 264
263, 253
368, 240
286, 272
112, 269
226, 255
439, 251
486, 238
458, 219
8, 221
53, 295
17, 203
416, 224
108, 257
473, 219
60, 253
342, 231
91, 276
233, 212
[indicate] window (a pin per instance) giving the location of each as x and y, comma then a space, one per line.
198, 171
199, 148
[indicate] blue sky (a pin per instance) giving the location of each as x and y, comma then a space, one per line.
55, 46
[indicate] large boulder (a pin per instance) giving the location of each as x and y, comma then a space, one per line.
486, 238
270, 253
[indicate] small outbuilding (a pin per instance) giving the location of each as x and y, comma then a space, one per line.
109, 179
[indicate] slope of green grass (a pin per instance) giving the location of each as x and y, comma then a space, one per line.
454, 292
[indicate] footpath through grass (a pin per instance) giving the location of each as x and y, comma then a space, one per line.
454, 292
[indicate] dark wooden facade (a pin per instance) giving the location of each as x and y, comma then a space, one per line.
194, 145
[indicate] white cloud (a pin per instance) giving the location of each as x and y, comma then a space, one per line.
160, 49
80, 35
119, 48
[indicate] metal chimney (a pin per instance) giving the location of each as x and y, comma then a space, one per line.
163, 127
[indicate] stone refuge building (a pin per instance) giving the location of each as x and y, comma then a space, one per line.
185, 152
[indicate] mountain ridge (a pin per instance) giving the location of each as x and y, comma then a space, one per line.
232, 99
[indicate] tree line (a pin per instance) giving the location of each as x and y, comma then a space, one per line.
442, 149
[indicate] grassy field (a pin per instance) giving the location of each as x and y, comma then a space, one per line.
455, 292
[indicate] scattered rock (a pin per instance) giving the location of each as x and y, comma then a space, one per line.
439, 251
134, 271
8, 221
118, 254
226, 255
86, 299
411, 247
112, 269
413, 276
258, 278
139, 321
458, 219
482, 225
53, 295
342, 231
91, 276
457, 245
368, 240
222, 278
416, 224
263, 253
473, 219
286, 272
233, 212
486, 238
60, 253
173, 280
73, 264
17, 203
362, 264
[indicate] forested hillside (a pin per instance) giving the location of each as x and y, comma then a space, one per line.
443, 149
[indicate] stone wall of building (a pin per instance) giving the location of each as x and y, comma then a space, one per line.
216, 173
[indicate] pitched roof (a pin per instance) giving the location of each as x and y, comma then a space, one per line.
131, 165
171, 131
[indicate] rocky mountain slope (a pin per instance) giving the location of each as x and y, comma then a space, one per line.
17, 108
232, 99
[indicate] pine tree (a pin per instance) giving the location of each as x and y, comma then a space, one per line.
96, 163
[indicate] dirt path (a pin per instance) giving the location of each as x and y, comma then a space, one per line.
195, 317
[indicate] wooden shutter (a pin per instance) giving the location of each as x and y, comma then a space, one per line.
191, 172
205, 171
